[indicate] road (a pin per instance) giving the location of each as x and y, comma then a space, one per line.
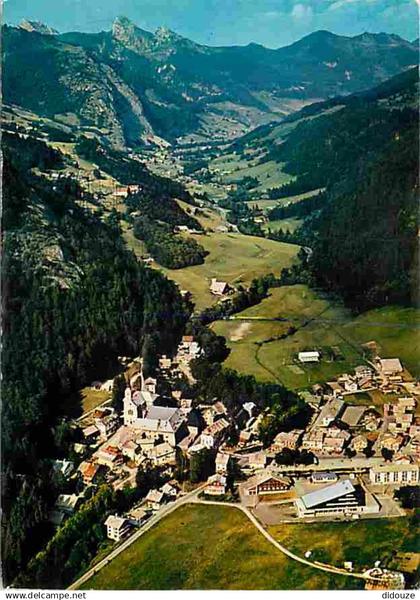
163, 512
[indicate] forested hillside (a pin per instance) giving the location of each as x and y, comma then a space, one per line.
73, 300
363, 150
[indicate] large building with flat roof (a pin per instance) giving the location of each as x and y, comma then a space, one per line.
402, 474
341, 498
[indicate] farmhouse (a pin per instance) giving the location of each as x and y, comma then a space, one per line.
116, 527
218, 288
309, 357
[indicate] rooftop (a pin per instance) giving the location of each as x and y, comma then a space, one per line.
330, 492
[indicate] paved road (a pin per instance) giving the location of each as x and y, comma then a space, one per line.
163, 512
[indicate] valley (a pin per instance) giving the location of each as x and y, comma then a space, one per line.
211, 301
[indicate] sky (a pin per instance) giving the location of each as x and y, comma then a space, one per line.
273, 23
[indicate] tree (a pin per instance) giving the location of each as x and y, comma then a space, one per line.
118, 389
201, 465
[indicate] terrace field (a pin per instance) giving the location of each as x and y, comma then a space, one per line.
209, 547
321, 324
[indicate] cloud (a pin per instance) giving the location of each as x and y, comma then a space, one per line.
343, 3
302, 11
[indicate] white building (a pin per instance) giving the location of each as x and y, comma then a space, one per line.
309, 357
340, 498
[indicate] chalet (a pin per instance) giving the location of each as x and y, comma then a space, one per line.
89, 471
117, 527
155, 499
138, 515
216, 485
212, 435
309, 357
264, 484
288, 439
222, 462
218, 288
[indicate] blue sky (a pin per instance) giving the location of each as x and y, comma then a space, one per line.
273, 23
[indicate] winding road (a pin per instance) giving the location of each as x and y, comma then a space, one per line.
192, 498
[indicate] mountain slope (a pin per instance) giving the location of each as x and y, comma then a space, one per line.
363, 151
129, 84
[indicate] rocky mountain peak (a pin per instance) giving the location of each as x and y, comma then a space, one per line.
37, 27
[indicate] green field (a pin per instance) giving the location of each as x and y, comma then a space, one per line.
254, 351
209, 547
284, 224
362, 542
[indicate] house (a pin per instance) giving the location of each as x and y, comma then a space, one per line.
257, 460
165, 363
218, 288
131, 450
154, 421
110, 456
216, 485
162, 454
117, 527
324, 477
264, 484
149, 385
90, 433
340, 498
397, 474
313, 440
155, 499
288, 439
189, 348
245, 437
65, 467
67, 503
359, 444
170, 490
389, 367
352, 415
222, 461
139, 515
309, 357
363, 372
89, 471
389, 441
330, 412
212, 435
336, 388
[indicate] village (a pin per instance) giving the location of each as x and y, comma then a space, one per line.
346, 465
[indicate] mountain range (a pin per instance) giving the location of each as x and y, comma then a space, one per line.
129, 86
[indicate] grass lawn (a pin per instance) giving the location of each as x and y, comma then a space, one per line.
92, 398
253, 351
396, 330
234, 258
284, 224
362, 542
209, 547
